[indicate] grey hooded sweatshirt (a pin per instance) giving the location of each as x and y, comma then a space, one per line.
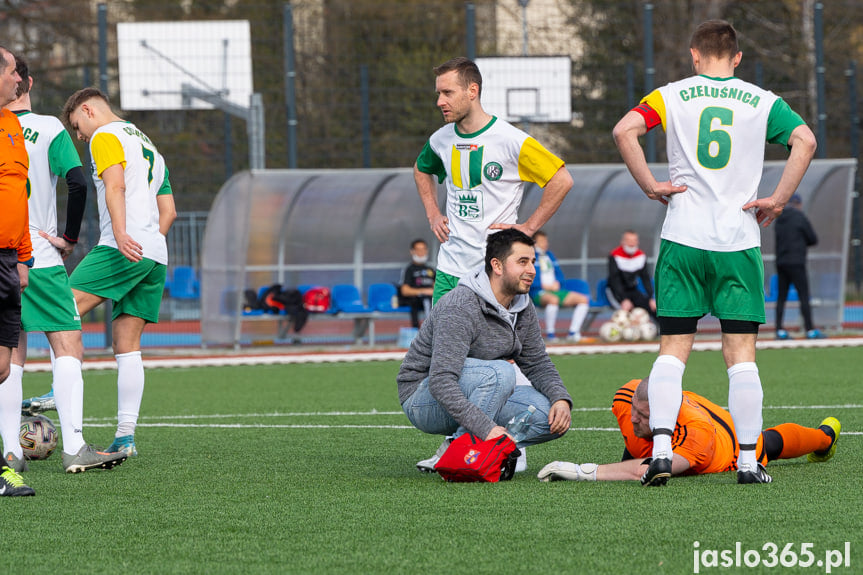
469, 322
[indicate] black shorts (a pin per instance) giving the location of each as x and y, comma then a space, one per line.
10, 298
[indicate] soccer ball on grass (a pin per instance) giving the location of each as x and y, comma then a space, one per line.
38, 437
620, 317
610, 332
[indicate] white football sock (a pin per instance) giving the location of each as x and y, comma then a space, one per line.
10, 411
69, 396
578, 315
745, 399
130, 390
664, 395
550, 317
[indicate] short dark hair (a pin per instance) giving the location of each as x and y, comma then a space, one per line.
24, 71
539, 233
716, 38
466, 70
79, 98
498, 246
418, 241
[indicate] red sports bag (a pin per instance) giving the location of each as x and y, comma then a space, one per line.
469, 459
317, 299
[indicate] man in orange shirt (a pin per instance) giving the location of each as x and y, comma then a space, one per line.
15, 248
703, 440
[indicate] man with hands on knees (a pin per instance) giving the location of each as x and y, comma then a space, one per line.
456, 377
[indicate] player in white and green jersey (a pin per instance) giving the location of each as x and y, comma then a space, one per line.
136, 210
485, 162
710, 259
47, 304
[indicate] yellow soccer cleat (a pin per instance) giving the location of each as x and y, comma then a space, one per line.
833, 427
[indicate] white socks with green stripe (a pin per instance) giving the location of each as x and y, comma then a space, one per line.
130, 390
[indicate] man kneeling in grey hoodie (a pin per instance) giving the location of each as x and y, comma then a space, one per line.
457, 376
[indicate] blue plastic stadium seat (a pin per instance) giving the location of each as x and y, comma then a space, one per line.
381, 298
577, 285
346, 298
601, 297
184, 284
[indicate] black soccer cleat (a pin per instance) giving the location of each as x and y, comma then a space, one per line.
759, 475
658, 472
11, 484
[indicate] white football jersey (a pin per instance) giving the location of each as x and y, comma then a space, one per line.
485, 174
144, 172
52, 154
716, 133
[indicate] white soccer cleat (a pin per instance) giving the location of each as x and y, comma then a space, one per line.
427, 465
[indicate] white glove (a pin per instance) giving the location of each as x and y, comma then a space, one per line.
565, 471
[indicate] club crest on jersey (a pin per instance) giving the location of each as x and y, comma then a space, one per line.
469, 205
493, 171
471, 456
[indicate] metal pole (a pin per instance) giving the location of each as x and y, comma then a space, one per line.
856, 232
103, 47
255, 129
364, 116
103, 85
524, 4
819, 79
630, 86
290, 84
470, 24
649, 72
229, 146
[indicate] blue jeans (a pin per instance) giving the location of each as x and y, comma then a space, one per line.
490, 385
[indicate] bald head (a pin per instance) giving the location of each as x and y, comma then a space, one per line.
9, 78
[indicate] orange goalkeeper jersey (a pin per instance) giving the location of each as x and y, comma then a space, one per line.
704, 434
14, 162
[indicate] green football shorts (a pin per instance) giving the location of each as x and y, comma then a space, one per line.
691, 282
48, 304
443, 284
135, 288
559, 294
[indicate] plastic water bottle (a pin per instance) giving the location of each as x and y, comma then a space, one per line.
518, 425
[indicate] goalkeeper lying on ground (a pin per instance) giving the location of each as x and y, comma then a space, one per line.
703, 440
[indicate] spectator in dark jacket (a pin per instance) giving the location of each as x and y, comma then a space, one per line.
794, 235
417, 284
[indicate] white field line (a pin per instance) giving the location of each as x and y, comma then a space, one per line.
376, 412
282, 359
300, 426
174, 421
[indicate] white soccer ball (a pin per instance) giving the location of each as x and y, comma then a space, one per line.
639, 316
38, 437
648, 331
620, 317
610, 332
631, 333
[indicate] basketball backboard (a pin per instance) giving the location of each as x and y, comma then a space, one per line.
527, 88
158, 58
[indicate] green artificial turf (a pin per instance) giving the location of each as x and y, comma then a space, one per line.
310, 469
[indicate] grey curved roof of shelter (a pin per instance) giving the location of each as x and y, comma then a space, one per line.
354, 226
